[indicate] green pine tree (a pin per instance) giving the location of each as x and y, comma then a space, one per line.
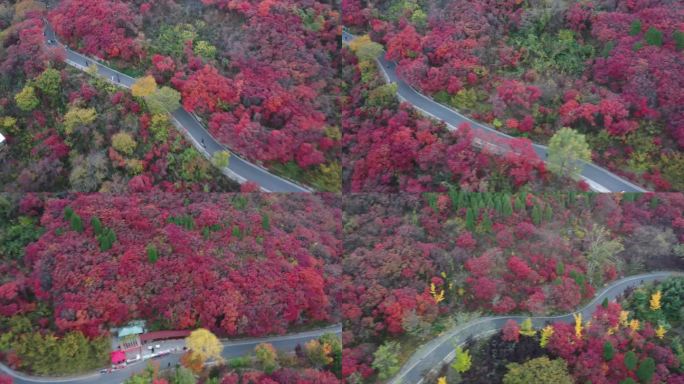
470, 219
507, 207
152, 254
520, 202
608, 351
646, 370
265, 222
548, 213
76, 223
630, 360
68, 211
236, 232
96, 224
486, 222
560, 268
536, 215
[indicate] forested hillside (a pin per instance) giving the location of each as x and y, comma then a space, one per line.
612, 70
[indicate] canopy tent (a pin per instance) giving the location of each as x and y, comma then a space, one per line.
118, 357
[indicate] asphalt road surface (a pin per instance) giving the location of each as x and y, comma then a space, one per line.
230, 349
599, 179
238, 168
441, 350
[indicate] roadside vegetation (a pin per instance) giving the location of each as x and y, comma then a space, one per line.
610, 70
418, 265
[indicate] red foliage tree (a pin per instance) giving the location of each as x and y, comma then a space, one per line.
104, 28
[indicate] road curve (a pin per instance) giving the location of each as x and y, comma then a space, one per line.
441, 349
599, 179
231, 349
238, 168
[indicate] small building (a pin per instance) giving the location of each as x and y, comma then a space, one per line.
128, 339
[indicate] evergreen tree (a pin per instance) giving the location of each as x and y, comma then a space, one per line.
454, 197
486, 222
470, 219
520, 202
608, 351
630, 360
152, 254
536, 215
236, 232
265, 222
646, 370
548, 213
507, 207
560, 268
76, 223
96, 224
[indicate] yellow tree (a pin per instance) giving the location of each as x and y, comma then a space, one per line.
578, 325
655, 301
624, 315
546, 334
204, 345
438, 296
267, 356
463, 361
144, 86
442, 380
364, 48
660, 332
526, 328
634, 325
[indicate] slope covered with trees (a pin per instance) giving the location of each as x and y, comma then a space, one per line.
245, 264
391, 147
66, 130
609, 69
260, 74
629, 341
415, 265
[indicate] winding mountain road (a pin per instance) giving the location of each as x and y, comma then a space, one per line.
231, 349
441, 349
599, 179
238, 168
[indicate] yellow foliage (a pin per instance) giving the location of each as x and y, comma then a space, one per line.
442, 380
660, 332
359, 42
526, 328
439, 297
655, 301
546, 334
204, 345
634, 325
365, 49
578, 325
144, 86
77, 117
623, 318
